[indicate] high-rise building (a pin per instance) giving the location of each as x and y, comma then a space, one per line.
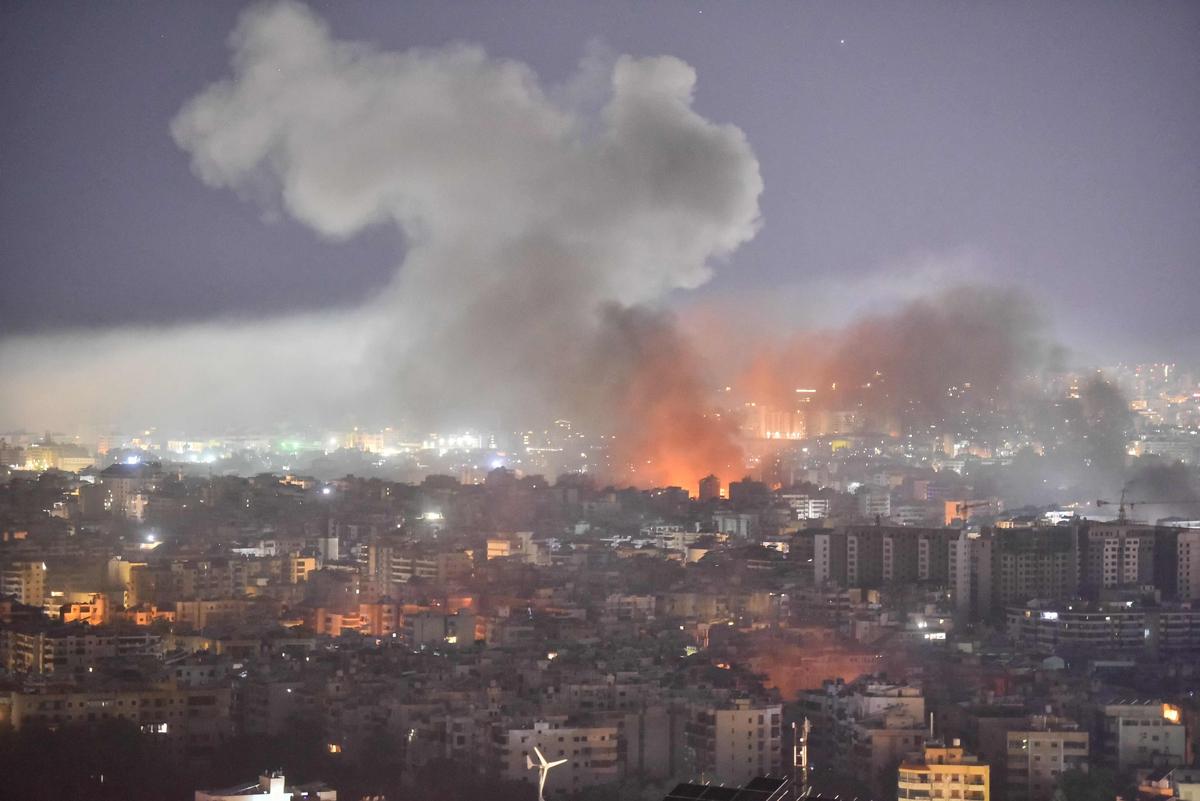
1010, 566
871, 556
1113, 555
734, 743
1187, 565
710, 488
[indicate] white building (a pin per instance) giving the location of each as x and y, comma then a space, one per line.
1144, 734
270, 787
874, 503
807, 507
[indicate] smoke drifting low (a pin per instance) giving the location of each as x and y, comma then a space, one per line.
541, 237
969, 346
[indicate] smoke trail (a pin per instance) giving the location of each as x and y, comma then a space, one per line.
525, 218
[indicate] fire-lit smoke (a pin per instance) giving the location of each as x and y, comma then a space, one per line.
672, 436
543, 226
969, 346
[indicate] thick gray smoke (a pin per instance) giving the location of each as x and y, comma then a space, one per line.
526, 217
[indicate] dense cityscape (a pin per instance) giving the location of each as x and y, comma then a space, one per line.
372, 612
585, 401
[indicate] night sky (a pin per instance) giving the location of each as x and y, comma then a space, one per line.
1052, 145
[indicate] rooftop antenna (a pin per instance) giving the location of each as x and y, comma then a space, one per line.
543, 769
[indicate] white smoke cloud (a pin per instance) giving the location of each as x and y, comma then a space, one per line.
525, 215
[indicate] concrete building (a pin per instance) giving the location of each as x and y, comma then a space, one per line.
874, 503
520, 546
1143, 734
127, 487
734, 743
943, 772
1039, 754
25, 581
1187, 565
807, 507
1008, 566
1113, 555
710, 488
740, 525
872, 556
439, 630
1114, 627
62, 650
296, 568
865, 729
392, 563
192, 722
66, 456
591, 753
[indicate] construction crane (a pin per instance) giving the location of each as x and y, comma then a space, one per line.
1101, 503
1123, 505
961, 509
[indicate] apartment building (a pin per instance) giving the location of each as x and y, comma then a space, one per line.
591, 753
192, 722
735, 742
1039, 754
943, 772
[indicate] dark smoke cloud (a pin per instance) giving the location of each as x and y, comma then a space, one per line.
966, 347
672, 436
1161, 488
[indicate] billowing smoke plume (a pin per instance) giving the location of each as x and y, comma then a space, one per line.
673, 431
540, 238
